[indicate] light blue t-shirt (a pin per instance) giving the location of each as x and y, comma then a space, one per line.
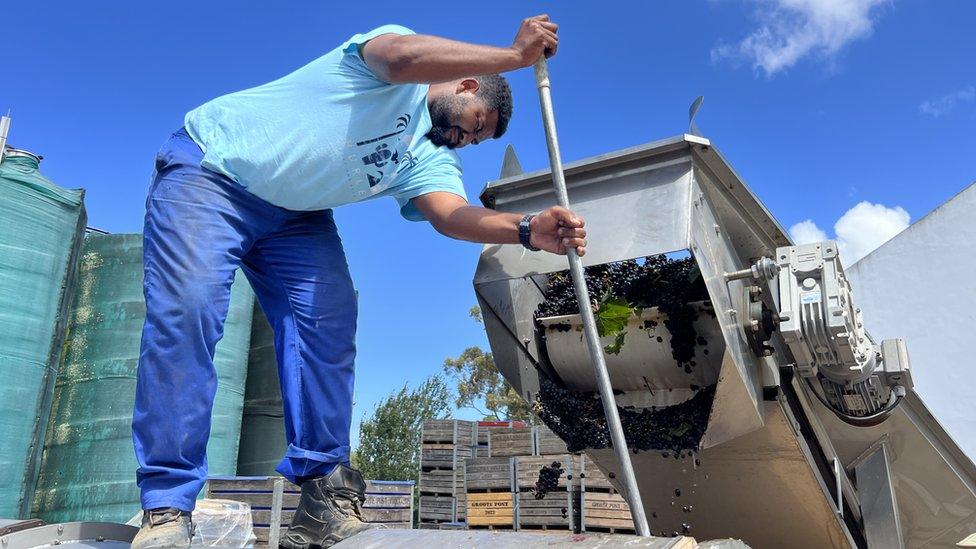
328, 134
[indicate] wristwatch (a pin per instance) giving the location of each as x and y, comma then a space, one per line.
525, 232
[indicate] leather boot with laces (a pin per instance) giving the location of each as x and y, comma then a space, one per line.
164, 528
329, 511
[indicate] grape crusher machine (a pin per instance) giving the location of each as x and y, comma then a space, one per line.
815, 437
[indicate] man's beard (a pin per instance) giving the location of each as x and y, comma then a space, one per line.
445, 112
441, 136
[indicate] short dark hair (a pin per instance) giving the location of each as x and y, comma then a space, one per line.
494, 91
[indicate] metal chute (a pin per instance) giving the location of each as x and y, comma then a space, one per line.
774, 467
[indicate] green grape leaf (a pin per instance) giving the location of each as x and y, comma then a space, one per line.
679, 430
618, 343
612, 317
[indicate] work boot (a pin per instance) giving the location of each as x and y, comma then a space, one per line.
164, 528
329, 511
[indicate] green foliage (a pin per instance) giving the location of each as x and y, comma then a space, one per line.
478, 381
618, 344
612, 316
389, 440
611, 320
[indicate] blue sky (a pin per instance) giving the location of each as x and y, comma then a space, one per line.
819, 107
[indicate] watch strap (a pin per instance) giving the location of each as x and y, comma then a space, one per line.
525, 232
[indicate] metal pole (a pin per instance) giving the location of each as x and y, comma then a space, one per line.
586, 313
4, 128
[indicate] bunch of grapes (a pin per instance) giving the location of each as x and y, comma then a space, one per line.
657, 281
548, 479
601, 280
579, 420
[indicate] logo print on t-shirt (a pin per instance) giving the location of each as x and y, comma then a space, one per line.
382, 154
401, 126
380, 157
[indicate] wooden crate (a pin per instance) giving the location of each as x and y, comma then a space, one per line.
389, 502
601, 508
489, 475
460, 507
484, 427
437, 509
511, 442
527, 470
555, 510
440, 455
480, 451
605, 512
452, 431
442, 482
273, 501
495, 509
548, 443
591, 477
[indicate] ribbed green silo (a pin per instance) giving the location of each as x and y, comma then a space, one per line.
263, 429
88, 466
41, 226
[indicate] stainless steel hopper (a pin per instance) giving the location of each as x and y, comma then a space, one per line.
767, 470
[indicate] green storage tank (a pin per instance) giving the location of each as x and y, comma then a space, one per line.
41, 226
88, 466
263, 429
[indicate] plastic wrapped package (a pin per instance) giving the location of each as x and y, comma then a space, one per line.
218, 523
88, 465
41, 227
222, 523
263, 430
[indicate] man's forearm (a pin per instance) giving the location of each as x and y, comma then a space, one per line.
428, 59
482, 225
554, 229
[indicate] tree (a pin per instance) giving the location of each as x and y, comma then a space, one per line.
478, 381
389, 440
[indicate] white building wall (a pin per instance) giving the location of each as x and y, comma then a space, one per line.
921, 286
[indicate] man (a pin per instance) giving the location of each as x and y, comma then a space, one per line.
250, 182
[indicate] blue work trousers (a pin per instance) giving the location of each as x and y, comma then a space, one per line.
200, 227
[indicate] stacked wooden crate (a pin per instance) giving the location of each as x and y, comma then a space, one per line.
518, 441
445, 444
601, 507
483, 428
488, 483
548, 443
539, 508
273, 501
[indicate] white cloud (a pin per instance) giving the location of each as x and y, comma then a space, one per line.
946, 103
860, 231
806, 232
792, 29
866, 226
